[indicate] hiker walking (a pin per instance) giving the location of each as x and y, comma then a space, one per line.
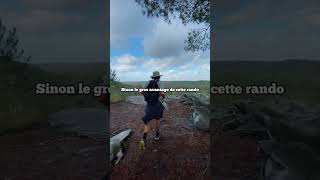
154, 108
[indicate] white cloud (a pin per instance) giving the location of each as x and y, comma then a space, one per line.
124, 63
127, 59
57, 4
127, 20
166, 39
131, 68
180, 60
163, 45
38, 21
157, 63
124, 68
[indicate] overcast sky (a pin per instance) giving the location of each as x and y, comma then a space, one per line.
141, 45
59, 30
76, 31
267, 29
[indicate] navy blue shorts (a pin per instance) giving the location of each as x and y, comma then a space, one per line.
153, 111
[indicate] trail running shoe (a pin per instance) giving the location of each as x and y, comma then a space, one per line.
142, 145
157, 138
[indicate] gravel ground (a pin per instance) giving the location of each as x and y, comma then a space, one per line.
43, 153
180, 153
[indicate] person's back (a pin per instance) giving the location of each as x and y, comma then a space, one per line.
152, 95
154, 108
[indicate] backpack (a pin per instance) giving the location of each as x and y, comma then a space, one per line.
151, 97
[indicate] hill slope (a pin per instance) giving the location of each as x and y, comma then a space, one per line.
299, 77
20, 106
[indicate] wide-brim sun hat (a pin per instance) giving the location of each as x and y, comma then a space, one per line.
156, 74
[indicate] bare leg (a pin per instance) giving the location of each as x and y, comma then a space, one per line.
157, 130
146, 128
157, 124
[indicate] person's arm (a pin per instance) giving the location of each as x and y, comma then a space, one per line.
145, 87
161, 92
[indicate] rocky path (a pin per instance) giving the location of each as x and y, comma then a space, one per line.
181, 152
234, 157
76, 149
43, 153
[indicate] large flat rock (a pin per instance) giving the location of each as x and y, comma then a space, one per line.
85, 121
138, 100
